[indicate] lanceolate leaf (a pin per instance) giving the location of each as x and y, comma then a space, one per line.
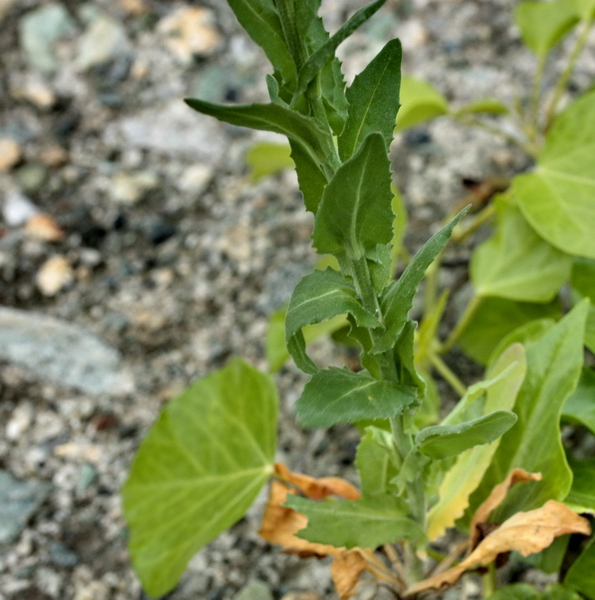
268, 117
320, 296
516, 263
553, 368
441, 441
580, 407
365, 523
557, 198
373, 100
376, 461
310, 175
319, 58
355, 212
398, 299
341, 396
544, 24
261, 20
198, 470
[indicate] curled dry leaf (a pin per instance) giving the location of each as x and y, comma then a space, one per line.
317, 489
525, 532
346, 570
496, 498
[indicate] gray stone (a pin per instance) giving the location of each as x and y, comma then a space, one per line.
255, 590
62, 556
87, 477
60, 352
19, 501
32, 177
103, 41
39, 30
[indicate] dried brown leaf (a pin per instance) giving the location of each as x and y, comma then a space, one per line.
346, 570
525, 532
317, 489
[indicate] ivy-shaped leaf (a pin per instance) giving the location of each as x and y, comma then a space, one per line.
203, 463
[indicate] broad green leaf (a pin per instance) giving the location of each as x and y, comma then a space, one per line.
516, 263
311, 177
442, 441
276, 350
557, 198
495, 318
489, 106
269, 117
198, 470
585, 8
516, 591
502, 383
266, 159
544, 24
261, 20
420, 102
318, 59
340, 396
373, 100
582, 493
582, 281
581, 575
355, 212
377, 460
553, 369
366, 523
398, 299
557, 591
320, 296
580, 407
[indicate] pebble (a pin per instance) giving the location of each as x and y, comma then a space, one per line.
19, 422
103, 41
32, 177
129, 188
189, 32
43, 227
19, 501
49, 582
255, 590
196, 179
62, 556
39, 30
96, 590
87, 477
17, 209
160, 231
54, 156
135, 8
10, 154
35, 90
61, 352
5, 6
54, 275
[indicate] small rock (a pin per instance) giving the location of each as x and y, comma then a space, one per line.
160, 231
35, 90
135, 8
19, 501
17, 209
195, 179
32, 177
96, 590
129, 188
301, 596
75, 451
62, 556
190, 31
48, 581
40, 29
54, 275
19, 422
61, 352
255, 590
87, 477
10, 154
5, 6
54, 156
43, 227
103, 41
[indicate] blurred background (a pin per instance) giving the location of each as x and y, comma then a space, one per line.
137, 253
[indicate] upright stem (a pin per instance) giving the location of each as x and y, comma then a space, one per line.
461, 325
533, 120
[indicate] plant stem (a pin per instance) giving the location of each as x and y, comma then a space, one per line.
562, 83
484, 215
455, 383
533, 117
461, 325
490, 585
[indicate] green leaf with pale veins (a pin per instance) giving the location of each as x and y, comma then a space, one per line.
442, 441
544, 24
320, 296
366, 523
582, 282
261, 20
269, 117
580, 407
373, 100
340, 396
420, 102
376, 461
557, 198
355, 212
398, 299
581, 575
318, 59
198, 470
553, 369
516, 263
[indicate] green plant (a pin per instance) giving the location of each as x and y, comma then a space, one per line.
212, 449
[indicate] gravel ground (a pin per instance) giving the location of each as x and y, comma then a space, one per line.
139, 256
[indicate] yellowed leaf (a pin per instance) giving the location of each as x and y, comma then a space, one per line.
525, 532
